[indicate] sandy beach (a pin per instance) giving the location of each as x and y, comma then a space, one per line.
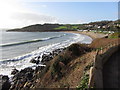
91, 34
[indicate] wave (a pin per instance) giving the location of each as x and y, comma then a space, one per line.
31, 41
23, 61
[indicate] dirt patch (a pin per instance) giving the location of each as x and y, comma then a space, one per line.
101, 42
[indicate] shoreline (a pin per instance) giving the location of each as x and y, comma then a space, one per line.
90, 34
27, 54
50, 56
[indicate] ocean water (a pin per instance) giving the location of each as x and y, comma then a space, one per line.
18, 48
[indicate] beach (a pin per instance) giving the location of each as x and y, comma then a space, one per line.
59, 64
35, 44
90, 34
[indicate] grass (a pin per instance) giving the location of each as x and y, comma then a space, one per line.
56, 70
114, 35
85, 79
84, 82
61, 28
88, 66
73, 51
65, 27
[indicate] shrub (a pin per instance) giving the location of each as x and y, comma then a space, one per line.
79, 49
56, 69
84, 82
65, 59
74, 48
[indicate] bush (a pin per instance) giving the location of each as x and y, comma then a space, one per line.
84, 82
56, 69
74, 48
65, 59
79, 49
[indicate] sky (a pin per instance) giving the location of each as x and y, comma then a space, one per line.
20, 13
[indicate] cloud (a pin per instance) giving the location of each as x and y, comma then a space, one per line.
33, 17
44, 6
27, 18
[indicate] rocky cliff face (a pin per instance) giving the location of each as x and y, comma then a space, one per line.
58, 68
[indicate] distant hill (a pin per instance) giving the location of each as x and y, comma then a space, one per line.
99, 25
37, 27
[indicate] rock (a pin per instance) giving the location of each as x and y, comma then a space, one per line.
39, 68
1, 82
29, 75
5, 78
38, 61
5, 83
23, 76
106, 36
35, 61
14, 71
47, 57
26, 70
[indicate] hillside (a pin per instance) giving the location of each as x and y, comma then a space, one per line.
41, 28
69, 69
37, 27
99, 26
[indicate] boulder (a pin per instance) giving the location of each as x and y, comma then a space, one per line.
14, 71
5, 83
47, 57
39, 68
35, 61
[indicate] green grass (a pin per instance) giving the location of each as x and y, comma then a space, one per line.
61, 28
114, 35
66, 27
84, 82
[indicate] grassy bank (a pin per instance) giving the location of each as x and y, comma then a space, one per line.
69, 69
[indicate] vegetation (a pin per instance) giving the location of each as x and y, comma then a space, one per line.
78, 49
67, 27
61, 28
85, 79
115, 35
98, 26
100, 23
84, 82
88, 66
73, 51
56, 70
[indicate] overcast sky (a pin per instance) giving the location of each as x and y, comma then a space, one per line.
20, 13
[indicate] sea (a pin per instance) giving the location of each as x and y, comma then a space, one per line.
18, 48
